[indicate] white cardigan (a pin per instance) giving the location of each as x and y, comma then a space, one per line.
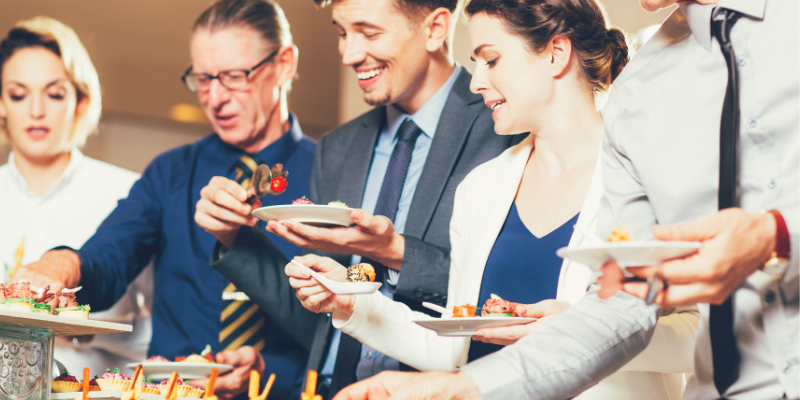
482, 203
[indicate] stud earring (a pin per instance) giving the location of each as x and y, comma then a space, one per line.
552, 59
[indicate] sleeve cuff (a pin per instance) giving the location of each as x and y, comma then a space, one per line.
791, 214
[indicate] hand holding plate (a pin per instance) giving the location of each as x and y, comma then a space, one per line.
314, 296
544, 311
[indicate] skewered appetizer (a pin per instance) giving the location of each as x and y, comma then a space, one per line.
66, 383
362, 272
114, 381
183, 388
464, 311
619, 234
497, 307
302, 201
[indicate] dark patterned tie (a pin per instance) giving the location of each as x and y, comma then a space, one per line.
344, 371
724, 350
241, 320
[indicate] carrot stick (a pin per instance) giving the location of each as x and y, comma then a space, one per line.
211, 385
255, 380
267, 388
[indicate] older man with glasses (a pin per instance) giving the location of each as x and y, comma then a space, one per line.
193, 305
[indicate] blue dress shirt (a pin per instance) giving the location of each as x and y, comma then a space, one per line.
427, 119
156, 222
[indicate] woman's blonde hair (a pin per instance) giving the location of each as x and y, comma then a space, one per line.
62, 40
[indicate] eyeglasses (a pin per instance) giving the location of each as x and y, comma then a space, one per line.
235, 79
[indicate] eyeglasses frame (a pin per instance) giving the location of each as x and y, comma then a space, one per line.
247, 73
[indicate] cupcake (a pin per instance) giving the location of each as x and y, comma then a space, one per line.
148, 387
66, 383
93, 386
114, 381
183, 388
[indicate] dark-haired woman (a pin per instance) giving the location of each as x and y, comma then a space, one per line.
50, 193
539, 66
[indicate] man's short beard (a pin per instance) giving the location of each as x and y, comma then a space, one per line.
378, 101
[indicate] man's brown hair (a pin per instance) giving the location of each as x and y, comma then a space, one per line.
415, 10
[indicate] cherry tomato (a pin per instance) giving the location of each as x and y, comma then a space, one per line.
278, 184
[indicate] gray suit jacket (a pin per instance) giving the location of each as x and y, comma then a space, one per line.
464, 139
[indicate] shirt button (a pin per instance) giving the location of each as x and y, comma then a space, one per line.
753, 122
368, 355
772, 184
418, 293
787, 368
741, 62
769, 297
426, 296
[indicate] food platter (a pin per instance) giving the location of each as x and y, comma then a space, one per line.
311, 214
102, 394
468, 326
342, 288
629, 254
60, 326
158, 370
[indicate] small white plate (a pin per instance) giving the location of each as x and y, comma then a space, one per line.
187, 370
342, 287
468, 326
629, 254
311, 214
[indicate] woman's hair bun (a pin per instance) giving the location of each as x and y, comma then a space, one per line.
617, 45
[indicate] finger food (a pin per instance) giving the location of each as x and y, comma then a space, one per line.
619, 234
464, 311
302, 201
337, 203
206, 356
113, 380
362, 272
497, 307
183, 388
65, 383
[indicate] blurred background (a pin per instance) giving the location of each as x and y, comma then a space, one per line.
140, 49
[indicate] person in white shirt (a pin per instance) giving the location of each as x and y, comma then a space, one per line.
512, 213
50, 193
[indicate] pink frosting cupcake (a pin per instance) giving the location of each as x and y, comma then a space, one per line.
114, 381
183, 388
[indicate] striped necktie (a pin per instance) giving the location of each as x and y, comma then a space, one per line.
242, 320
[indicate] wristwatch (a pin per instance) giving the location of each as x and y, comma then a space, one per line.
779, 262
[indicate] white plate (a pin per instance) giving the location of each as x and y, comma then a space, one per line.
187, 370
311, 214
468, 326
342, 287
629, 254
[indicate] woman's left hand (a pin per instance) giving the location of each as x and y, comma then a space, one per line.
544, 310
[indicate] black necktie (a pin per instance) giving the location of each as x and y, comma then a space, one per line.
724, 349
344, 371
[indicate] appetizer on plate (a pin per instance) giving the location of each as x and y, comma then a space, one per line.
114, 381
65, 383
93, 386
337, 203
69, 307
362, 272
497, 307
206, 356
149, 387
466, 310
183, 388
302, 201
619, 234
158, 359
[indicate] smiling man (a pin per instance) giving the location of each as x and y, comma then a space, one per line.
398, 164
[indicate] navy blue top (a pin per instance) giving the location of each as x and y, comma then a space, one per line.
521, 268
156, 221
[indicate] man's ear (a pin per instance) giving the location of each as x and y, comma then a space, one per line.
560, 51
437, 27
286, 60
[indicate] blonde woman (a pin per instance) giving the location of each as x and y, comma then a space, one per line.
50, 193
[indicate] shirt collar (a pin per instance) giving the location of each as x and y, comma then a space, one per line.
278, 152
699, 16
75, 160
427, 117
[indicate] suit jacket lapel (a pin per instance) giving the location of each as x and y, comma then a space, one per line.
355, 169
451, 133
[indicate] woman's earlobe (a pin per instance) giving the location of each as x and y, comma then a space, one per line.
552, 59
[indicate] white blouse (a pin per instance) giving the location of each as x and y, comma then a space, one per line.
68, 214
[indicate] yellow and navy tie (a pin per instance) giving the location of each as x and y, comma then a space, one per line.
241, 320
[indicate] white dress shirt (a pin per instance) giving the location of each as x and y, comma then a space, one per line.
661, 165
67, 215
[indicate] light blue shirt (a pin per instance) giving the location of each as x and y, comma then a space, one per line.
427, 119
